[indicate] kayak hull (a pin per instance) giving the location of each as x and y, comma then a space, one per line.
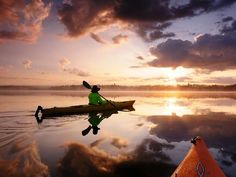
198, 163
83, 109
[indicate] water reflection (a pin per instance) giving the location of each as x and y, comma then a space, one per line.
95, 119
217, 129
23, 160
80, 160
150, 141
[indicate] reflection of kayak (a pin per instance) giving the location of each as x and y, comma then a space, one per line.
198, 162
81, 109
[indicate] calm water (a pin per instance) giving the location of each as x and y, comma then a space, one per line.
150, 141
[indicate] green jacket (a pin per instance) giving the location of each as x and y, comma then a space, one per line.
94, 98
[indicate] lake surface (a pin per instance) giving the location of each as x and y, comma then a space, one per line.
150, 141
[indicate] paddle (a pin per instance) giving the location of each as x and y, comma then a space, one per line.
88, 86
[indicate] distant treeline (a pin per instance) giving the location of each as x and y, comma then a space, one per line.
189, 87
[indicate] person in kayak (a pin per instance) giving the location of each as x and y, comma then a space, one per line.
95, 98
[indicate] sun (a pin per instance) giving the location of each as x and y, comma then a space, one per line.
178, 72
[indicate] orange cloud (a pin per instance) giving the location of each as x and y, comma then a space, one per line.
23, 20
64, 66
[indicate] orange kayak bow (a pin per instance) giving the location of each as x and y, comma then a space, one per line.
198, 162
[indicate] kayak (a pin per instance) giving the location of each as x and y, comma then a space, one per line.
82, 109
198, 162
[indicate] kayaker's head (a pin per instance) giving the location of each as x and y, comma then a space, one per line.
95, 89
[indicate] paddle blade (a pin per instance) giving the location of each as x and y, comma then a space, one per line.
86, 84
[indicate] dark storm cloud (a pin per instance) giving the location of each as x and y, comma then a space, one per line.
161, 11
22, 20
211, 52
209, 125
84, 16
97, 38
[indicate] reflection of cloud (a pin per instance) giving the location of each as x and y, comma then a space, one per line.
27, 64
97, 142
119, 143
80, 160
25, 161
217, 129
83, 161
22, 19
151, 150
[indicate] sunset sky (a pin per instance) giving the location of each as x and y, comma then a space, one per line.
127, 42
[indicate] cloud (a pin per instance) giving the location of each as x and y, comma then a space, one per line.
211, 52
220, 80
140, 57
119, 38
227, 19
86, 16
22, 20
159, 34
151, 31
76, 71
228, 29
97, 38
27, 64
64, 63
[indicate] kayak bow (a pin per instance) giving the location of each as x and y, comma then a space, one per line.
198, 162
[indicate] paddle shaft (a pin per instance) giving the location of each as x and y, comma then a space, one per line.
108, 101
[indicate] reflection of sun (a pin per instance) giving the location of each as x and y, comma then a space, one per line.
163, 106
172, 108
